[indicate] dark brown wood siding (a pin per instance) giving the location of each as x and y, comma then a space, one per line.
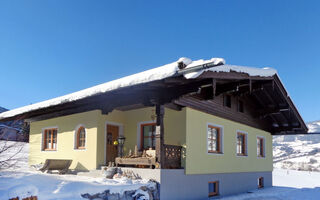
216, 107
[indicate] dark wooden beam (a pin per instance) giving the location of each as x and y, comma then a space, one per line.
231, 76
160, 155
214, 88
283, 128
263, 113
173, 106
60, 113
279, 85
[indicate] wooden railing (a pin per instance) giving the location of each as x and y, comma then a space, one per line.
172, 158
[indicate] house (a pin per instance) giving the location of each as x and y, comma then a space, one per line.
211, 126
12, 130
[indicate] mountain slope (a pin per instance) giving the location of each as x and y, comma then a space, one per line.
314, 127
3, 109
300, 152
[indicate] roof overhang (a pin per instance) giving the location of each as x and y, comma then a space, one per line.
164, 84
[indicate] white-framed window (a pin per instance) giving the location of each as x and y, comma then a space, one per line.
242, 143
261, 146
214, 138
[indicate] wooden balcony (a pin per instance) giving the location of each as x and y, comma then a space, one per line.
172, 154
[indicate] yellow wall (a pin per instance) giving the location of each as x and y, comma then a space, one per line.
82, 159
198, 161
95, 123
187, 128
115, 117
174, 128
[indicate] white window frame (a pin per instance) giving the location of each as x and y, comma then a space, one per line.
75, 138
221, 141
246, 143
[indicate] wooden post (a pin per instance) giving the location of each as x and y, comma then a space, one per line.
160, 136
214, 88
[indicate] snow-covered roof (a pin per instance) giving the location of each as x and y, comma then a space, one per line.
154, 74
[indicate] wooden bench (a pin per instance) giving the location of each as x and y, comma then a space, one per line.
136, 161
56, 164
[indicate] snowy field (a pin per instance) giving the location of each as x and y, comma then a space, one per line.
298, 152
287, 185
292, 185
52, 186
23, 182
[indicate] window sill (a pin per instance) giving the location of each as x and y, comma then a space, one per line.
80, 149
215, 153
49, 150
242, 155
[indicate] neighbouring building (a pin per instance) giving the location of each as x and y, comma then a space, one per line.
210, 124
13, 130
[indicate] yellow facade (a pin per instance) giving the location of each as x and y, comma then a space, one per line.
187, 128
95, 125
82, 159
130, 121
199, 161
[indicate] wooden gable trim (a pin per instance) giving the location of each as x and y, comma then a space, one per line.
291, 104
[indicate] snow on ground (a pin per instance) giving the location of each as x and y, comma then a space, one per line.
14, 153
53, 186
287, 185
24, 182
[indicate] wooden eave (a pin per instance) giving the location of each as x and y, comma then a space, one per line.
142, 95
274, 111
268, 96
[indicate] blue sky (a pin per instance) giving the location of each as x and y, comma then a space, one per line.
51, 48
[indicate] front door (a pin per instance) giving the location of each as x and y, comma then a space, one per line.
112, 150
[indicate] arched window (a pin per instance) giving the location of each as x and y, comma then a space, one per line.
81, 138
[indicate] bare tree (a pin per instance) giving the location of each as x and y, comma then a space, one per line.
11, 152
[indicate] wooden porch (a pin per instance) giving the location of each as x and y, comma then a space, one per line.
172, 159
163, 156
